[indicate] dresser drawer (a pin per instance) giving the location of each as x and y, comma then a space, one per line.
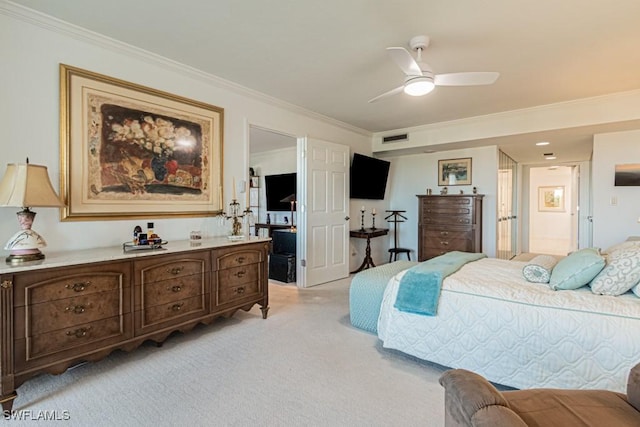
236, 276
448, 245
42, 287
239, 258
451, 200
171, 267
232, 292
449, 219
69, 312
79, 335
166, 291
448, 233
151, 316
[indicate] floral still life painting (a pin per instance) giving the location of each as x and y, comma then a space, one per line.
144, 153
133, 151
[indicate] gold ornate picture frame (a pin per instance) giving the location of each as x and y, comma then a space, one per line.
130, 151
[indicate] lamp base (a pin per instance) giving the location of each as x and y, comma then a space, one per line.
18, 258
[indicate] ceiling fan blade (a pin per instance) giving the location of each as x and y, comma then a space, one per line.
387, 94
466, 79
405, 61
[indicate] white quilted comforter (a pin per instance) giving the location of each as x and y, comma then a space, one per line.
492, 321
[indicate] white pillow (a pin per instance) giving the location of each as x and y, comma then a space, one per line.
621, 246
621, 272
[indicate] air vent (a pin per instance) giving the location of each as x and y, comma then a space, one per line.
395, 138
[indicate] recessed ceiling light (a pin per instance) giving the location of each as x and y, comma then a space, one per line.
542, 143
550, 157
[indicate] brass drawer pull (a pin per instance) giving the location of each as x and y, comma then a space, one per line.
78, 287
176, 307
79, 333
239, 290
175, 288
240, 260
240, 274
175, 270
444, 243
75, 309
444, 233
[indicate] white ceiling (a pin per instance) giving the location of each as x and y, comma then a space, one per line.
329, 56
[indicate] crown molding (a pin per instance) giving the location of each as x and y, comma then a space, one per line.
54, 24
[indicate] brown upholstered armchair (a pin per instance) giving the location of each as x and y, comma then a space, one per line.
471, 400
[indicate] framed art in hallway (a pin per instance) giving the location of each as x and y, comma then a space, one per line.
551, 199
454, 171
130, 151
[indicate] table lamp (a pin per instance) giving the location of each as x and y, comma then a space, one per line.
292, 199
25, 185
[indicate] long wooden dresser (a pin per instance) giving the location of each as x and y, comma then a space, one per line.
81, 305
449, 223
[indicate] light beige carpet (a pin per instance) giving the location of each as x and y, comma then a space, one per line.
303, 366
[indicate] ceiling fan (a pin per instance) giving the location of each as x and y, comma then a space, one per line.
420, 79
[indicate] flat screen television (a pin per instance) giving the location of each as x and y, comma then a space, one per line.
278, 187
368, 177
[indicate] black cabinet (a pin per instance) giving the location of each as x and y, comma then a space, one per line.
282, 260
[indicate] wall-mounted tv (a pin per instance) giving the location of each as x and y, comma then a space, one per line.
368, 177
278, 187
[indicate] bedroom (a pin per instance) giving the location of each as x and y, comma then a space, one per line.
39, 44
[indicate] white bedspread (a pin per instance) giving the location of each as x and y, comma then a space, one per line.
492, 321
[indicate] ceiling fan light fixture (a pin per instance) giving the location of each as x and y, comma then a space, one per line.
419, 86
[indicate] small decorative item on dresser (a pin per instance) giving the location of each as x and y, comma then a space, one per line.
362, 219
475, 190
428, 191
444, 191
373, 219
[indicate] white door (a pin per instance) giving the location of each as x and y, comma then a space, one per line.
323, 208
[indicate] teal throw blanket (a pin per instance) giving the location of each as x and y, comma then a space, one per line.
419, 289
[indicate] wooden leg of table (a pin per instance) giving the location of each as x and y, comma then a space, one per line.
368, 261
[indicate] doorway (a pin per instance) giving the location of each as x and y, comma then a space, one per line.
321, 213
553, 209
273, 155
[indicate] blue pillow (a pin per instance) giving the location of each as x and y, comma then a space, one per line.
577, 269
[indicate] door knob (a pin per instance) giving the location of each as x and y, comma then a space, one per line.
346, 218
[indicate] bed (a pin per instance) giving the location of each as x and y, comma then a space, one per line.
491, 320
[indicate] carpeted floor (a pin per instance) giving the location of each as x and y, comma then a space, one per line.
303, 366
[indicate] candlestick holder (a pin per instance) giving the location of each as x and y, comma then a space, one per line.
236, 219
373, 220
362, 220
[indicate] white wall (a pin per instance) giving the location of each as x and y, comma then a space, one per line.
412, 175
614, 223
32, 47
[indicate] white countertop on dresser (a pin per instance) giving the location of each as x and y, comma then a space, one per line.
85, 256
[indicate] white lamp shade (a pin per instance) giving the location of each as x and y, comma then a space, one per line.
27, 185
